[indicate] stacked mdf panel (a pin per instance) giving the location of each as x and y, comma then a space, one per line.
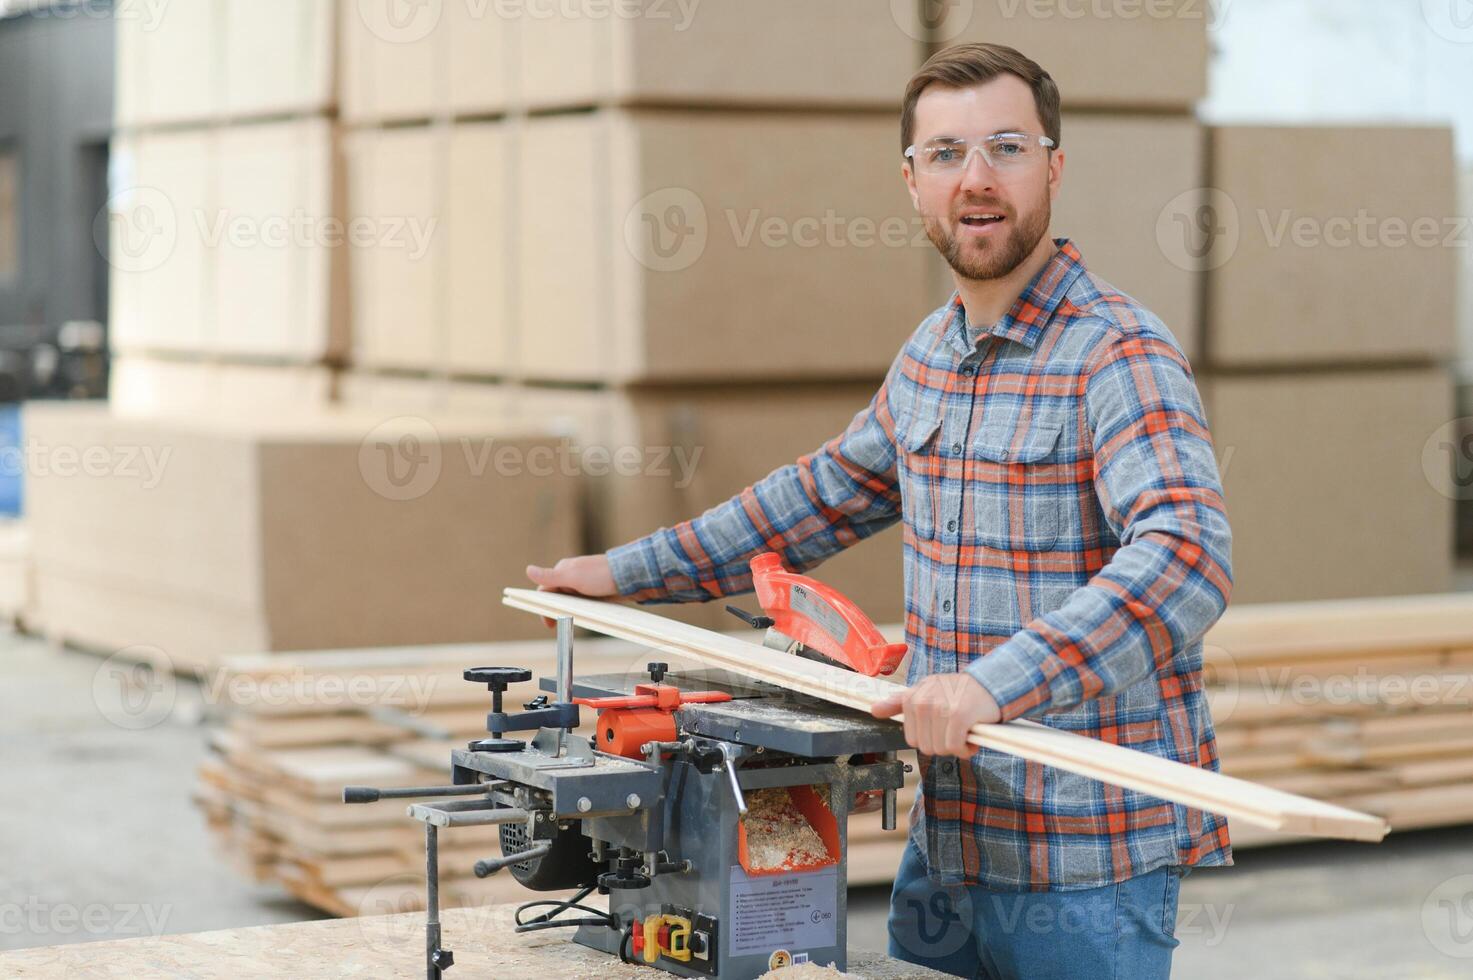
464, 58
226, 241
225, 225
1107, 56
1330, 322
667, 230
205, 536
1134, 153
649, 457
431, 280
216, 60
669, 246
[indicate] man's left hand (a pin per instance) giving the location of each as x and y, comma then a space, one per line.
940, 711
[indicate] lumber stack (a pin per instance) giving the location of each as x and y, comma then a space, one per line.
1365, 703
296, 729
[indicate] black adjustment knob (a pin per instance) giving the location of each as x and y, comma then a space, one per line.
498, 679
657, 671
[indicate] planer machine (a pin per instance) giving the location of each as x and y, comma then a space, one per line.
653, 809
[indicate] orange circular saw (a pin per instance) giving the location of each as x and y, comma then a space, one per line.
816, 621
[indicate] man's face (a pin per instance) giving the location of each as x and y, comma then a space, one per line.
953, 205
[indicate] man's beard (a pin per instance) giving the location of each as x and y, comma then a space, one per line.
995, 259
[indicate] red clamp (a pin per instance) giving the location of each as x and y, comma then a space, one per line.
627, 723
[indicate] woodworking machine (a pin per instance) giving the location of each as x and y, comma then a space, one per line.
651, 810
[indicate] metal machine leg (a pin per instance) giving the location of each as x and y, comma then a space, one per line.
437, 960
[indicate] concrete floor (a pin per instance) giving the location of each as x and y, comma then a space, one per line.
101, 841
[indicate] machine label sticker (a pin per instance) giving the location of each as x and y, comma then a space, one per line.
790, 911
806, 604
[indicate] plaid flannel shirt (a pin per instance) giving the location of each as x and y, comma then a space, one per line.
1065, 543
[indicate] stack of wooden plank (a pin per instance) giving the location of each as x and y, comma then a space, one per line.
1366, 703
296, 729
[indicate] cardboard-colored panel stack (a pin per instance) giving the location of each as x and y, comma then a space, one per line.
225, 233
293, 730
671, 234
1330, 309
1133, 148
184, 540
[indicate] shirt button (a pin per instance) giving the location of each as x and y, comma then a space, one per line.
951, 525
968, 371
1003, 454
947, 766
946, 606
956, 449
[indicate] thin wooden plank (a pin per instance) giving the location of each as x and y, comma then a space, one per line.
1187, 785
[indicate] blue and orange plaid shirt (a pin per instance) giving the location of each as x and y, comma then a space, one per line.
1065, 543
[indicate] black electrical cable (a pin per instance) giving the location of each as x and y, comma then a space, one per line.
546, 919
628, 935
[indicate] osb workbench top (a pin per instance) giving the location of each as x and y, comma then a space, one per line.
371, 947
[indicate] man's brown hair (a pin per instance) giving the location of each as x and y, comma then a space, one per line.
965, 65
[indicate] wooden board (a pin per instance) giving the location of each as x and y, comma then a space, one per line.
1261, 806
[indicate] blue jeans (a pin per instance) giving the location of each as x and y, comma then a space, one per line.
1117, 932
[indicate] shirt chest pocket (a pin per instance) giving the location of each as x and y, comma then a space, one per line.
1018, 488
1006, 489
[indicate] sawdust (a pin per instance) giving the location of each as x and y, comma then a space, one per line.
778, 835
804, 970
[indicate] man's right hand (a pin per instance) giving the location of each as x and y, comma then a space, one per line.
588, 575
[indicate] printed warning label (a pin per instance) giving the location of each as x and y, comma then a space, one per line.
788, 911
